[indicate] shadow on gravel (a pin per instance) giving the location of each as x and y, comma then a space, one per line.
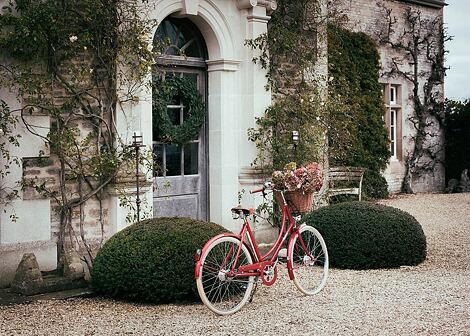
8, 298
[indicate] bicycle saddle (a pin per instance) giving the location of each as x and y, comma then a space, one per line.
245, 211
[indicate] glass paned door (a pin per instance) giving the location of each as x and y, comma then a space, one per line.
180, 171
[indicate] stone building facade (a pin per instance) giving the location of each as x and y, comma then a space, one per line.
217, 163
366, 16
208, 174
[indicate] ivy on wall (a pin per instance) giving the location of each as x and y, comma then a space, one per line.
419, 39
289, 54
361, 138
75, 62
344, 127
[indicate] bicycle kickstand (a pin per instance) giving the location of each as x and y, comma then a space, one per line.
254, 290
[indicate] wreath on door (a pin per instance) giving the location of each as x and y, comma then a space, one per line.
163, 94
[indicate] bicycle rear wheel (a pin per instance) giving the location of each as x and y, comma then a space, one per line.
220, 292
309, 260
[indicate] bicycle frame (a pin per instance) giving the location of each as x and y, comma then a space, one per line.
259, 261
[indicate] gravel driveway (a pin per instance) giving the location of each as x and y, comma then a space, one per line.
430, 299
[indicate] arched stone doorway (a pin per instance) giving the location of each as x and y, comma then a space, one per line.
236, 95
181, 174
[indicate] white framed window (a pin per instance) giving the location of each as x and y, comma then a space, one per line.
392, 118
393, 95
393, 133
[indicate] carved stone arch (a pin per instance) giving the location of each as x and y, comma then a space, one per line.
210, 20
236, 94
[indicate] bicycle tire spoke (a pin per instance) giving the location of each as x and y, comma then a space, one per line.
309, 261
223, 293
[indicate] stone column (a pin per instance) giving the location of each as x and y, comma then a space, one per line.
223, 148
255, 101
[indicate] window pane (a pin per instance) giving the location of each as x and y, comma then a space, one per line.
194, 49
393, 95
173, 159
186, 110
174, 115
157, 160
180, 37
191, 76
191, 154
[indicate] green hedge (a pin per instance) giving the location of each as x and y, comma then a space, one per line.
361, 235
374, 185
457, 138
152, 260
360, 137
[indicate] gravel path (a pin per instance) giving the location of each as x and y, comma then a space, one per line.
430, 299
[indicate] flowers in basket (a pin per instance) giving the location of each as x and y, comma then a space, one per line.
308, 178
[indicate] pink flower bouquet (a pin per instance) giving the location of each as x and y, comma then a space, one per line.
307, 178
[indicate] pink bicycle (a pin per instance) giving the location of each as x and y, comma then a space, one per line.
229, 266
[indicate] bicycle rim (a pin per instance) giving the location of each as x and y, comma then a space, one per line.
220, 293
309, 260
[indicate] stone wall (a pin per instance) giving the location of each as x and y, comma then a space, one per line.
365, 16
30, 224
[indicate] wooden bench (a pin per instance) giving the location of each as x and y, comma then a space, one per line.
346, 181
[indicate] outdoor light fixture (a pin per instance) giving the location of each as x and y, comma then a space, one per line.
295, 141
138, 141
295, 138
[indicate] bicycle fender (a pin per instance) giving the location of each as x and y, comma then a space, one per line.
290, 266
197, 270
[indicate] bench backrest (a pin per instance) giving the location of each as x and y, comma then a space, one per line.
346, 173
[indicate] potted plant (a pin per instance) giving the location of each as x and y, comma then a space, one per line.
298, 184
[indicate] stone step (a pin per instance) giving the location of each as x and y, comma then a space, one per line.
55, 283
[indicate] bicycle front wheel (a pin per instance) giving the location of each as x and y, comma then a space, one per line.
309, 260
220, 291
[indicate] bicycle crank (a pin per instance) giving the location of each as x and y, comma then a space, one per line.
269, 274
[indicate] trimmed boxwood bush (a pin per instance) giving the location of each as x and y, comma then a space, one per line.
152, 260
361, 235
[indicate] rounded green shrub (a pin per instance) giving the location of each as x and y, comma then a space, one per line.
152, 260
374, 185
361, 235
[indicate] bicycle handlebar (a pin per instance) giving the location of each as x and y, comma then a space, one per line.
256, 190
267, 185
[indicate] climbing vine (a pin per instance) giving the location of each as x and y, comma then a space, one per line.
8, 139
75, 62
328, 119
289, 53
419, 42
